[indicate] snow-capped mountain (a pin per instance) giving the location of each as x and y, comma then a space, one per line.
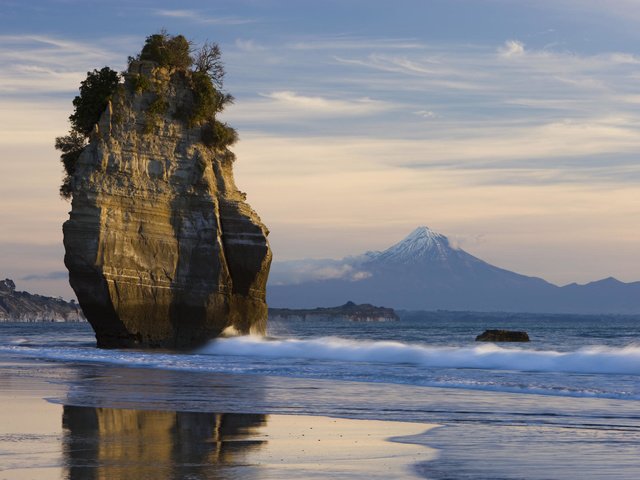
425, 272
421, 244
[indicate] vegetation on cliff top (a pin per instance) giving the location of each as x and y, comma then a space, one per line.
95, 92
175, 53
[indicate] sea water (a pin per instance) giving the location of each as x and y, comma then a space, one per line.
565, 405
578, 356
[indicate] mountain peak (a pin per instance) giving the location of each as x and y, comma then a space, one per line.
424, 234
420, 243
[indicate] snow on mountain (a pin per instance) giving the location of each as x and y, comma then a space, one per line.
422, 243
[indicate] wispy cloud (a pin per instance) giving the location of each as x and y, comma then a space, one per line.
47, 64
362, 132
425, 114
295, 272
324, 105
511, 48
333, 43
429, 72
350, 184
61, 275
285, 106
541, 148
202, 18
249, 46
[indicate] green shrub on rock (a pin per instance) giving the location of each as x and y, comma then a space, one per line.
208, 101
219, 135
202, 73
167, 51
95, 92
139, 83
71, 147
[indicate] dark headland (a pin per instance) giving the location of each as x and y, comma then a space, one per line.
17, 306
349, 311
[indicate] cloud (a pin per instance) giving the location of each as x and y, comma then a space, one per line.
47, 64
337, 43
425, 114
511, 48
285, 107
460, 242
369, 139
249, 46
300, 271
324, 105
426, 73
624, 11
62, 275
199, 17
624, 58
454, 147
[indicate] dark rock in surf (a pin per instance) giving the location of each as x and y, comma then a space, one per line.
502, 336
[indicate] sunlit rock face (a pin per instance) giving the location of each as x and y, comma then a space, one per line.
161, 247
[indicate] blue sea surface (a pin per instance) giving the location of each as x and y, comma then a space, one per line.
577, 356
565, 405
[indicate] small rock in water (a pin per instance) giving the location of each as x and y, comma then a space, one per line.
502, 336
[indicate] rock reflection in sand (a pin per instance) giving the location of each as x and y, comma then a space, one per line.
114, 444
119, 444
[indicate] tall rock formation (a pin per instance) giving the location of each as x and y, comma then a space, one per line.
161, 247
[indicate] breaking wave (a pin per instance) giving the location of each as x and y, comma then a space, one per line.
594, 371
587, 360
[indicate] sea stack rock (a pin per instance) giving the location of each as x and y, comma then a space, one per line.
162, 248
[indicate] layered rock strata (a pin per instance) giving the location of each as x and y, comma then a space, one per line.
161, 247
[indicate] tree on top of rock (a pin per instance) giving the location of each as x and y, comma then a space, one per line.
95, 92
167, 51
205, 73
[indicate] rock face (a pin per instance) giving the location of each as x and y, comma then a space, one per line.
26, 307
349, 311
161, 247
502, 336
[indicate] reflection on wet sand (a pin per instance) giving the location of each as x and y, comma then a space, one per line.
119, 444
113, 444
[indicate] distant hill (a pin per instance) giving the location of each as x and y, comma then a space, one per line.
348, 311
25, 307
424, 272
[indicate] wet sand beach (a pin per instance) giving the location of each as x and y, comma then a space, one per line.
42, 439
69, 410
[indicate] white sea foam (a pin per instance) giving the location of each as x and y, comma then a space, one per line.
388, 362
594, 359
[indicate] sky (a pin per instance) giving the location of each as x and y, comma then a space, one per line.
510, 126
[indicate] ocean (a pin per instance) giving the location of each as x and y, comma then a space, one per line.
565, 405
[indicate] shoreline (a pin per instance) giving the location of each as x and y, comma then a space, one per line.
43, 438
483, 435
